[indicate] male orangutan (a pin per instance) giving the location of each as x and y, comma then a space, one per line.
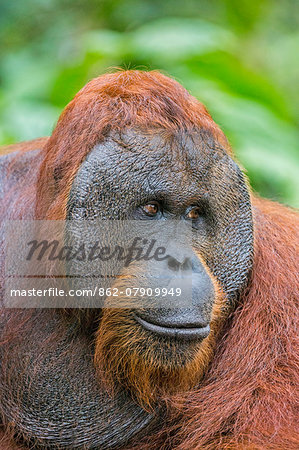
220, 374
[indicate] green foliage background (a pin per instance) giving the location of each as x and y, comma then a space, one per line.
238, 57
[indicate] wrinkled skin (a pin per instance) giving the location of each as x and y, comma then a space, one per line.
188, 170
50, 381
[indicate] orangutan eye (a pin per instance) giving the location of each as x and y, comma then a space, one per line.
151, 209
194, 213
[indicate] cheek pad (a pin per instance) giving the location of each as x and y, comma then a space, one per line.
231, 256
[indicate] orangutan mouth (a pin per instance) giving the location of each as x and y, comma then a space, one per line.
184, 331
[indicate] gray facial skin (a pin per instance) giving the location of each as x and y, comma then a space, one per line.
131, 169
50, 380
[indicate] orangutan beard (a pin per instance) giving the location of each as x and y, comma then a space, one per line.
151, 367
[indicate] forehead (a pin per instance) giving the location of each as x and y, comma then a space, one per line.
187, 150
157, 161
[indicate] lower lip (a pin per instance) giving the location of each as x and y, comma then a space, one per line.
178, 333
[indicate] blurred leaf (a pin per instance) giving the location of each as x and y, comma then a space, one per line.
28, 120
175, 39
233, 76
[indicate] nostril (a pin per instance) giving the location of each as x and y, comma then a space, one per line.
187, 264
173, 264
